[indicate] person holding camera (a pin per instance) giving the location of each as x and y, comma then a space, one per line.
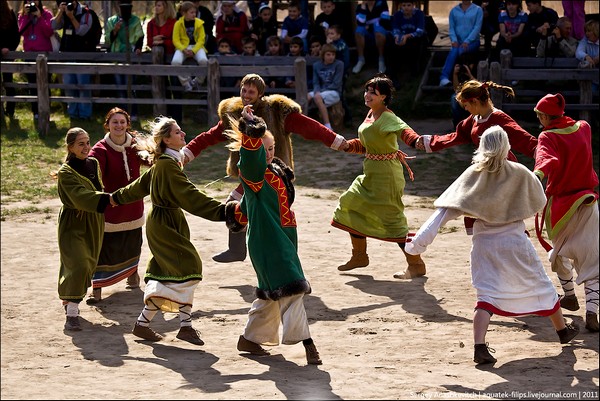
123, 33
35, 27
9, 40
556, 41
75, 22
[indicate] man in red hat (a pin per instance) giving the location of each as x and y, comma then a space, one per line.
564, 158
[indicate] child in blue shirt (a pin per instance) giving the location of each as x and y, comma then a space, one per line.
294, 25
328, 75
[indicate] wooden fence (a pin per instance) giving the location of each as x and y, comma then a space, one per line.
145, 65
550, 70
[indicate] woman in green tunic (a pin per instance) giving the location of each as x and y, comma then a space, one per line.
372, 206
174, 269
80, 222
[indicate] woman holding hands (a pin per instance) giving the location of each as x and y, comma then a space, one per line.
372, 206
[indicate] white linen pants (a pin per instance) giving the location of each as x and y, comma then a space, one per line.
265, 316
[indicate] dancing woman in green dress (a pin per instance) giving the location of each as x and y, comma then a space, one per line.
372, 206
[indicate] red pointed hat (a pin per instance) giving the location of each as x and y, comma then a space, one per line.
553, 105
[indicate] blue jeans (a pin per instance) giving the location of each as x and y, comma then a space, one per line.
78, 110
453, 55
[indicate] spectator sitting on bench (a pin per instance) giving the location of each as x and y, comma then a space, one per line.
409, 40
296, 50
372, 25
587, 50
465, 21
558, 42
328, 75
539, 16
263, 27
513, 23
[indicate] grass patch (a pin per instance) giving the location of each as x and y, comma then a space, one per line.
20, 211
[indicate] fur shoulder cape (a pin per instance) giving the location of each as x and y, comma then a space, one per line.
274, 109
511, 194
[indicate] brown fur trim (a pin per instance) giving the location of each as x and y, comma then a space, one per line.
274, 109
294, 288
287, 176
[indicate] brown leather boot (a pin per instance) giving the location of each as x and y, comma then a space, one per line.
133, 281
416, 267
95, 297
482, 354
251, 347
312, 355
359, 255
146, 333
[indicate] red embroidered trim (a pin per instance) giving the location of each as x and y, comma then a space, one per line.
288, 218
254, 186
251, 143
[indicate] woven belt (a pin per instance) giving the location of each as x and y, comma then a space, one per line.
400, 155
383, 157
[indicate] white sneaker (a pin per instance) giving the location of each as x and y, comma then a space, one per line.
381, 66
445, 82
359, 65
188, 87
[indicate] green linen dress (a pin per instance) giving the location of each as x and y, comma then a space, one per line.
80, 229
372, 206
174, 258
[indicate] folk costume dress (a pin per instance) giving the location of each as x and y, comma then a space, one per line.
564, 157
122, 245
273, 246
175, 268
471, 128
372, 206
505, 269
80, 225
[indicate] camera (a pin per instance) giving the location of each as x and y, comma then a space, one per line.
70, 6
31, 7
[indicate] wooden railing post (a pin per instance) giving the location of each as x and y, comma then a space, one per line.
301, 84
506, 57
213, 95
496, 76
585, 97
43, 92
483, 71
159, 108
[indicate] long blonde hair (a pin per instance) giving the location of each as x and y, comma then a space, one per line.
151, 146
493, 149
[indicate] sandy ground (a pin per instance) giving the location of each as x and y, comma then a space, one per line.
379, 338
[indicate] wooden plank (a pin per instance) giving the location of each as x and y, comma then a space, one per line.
104, 100
549, 74
541, 93
102, 57
263, 60
535, 62
530, 106
105, 68
262, 70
